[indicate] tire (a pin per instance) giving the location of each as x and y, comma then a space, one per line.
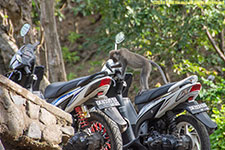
111, 127
196, 131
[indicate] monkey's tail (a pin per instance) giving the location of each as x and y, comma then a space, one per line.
160, 70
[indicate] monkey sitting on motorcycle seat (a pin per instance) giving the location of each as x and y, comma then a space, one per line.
135, 61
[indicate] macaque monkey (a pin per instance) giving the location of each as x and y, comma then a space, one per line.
135, 61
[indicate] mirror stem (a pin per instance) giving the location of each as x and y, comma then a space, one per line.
24, 40
115, 46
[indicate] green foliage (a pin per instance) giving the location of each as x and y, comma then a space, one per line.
71, 76
73, 36
174, 31
69, 57
213, 93
185, 66
93, 65
218, 137
35, 13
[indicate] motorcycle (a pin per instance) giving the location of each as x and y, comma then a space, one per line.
94, 114
168, 118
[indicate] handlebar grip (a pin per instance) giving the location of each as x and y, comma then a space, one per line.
27, 70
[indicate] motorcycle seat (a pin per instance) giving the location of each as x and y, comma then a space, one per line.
149, 95
56, 89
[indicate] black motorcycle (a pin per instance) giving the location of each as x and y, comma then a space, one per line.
84, 98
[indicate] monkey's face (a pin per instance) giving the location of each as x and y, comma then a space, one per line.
114, 56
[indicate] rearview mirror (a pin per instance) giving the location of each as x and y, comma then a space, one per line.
120, 37
24, 30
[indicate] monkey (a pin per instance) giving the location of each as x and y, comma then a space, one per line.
135, 61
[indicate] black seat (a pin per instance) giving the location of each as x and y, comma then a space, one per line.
152, 94
56, 89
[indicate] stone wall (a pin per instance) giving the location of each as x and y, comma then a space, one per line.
28, 122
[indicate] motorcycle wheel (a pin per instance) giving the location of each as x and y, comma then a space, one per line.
107, 128
188, 125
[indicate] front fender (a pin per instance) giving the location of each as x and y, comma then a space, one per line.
114, 114
203, 117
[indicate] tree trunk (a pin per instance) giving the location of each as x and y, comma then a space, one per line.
18, 13
55, 65
212, 41
7, 50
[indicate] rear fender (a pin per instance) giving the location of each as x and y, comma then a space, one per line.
203, 117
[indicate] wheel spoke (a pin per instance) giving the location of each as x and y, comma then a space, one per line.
184, 128
98, 127
196, 143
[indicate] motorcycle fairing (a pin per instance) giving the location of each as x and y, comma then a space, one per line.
158, 107
62, 98
26, 55
79, 95
150, 105
148, 112
56, 89
173, 101
132, 114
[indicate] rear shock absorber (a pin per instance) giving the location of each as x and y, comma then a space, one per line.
171, 122
81, 117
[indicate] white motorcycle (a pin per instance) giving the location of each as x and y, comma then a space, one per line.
169, 117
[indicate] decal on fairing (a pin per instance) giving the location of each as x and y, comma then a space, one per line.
64, 97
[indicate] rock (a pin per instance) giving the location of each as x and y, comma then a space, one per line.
16, 122
68, 130
28, 122
52, 134
17, 99
47, 118
34, 131
33, 110
65, 138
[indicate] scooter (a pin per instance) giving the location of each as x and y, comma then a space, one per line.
168, 118
94, 114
